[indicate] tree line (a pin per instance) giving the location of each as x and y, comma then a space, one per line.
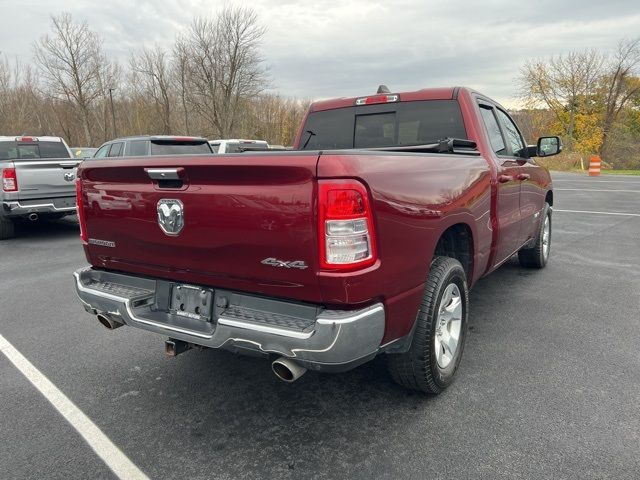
212, 82
590, 98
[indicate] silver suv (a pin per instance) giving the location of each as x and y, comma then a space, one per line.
153, 145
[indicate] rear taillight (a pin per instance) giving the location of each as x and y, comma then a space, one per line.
9, 180
346, 233
80, 209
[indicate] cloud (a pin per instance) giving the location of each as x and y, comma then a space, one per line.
319, 49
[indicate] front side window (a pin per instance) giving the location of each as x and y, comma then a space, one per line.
493, 129
104, 150
513, 135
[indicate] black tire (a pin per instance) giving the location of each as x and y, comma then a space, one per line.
6, 229
418, 369
537, 256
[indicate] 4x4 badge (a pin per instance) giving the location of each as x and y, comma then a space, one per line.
274, 262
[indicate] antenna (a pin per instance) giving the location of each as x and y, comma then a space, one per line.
383, 89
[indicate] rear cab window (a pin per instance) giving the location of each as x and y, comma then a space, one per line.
138, 148
384, 125
40, 149
179, 147
53, 150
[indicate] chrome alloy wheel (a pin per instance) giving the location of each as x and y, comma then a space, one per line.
546, 237
449, 324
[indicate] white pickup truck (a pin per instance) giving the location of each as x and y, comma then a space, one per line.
236, 145
38, 180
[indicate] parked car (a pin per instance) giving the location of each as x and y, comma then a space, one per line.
238, 146
152, 145
83, 152
363, 241
38, 175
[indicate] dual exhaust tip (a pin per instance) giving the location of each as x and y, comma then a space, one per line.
284, 368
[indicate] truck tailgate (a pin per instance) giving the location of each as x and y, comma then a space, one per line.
45, 178
243, 214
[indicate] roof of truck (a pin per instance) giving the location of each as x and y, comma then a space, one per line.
14, 138
159, 137
446, 93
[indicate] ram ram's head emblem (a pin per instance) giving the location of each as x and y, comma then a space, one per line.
170, 216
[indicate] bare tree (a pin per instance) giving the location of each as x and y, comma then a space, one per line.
70, 62
621, 86
153, 68
225, 66
180, 75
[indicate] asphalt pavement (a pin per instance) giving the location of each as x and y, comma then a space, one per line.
549, 386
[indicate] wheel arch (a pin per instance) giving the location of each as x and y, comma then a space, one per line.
457, 241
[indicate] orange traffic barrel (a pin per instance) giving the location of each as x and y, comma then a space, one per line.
594, 166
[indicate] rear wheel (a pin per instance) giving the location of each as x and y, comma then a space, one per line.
538, 255
436, 348
6, 228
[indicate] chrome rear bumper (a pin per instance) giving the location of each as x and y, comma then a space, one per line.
14, 208
320, 339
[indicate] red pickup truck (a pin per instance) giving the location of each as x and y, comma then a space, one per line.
362, 240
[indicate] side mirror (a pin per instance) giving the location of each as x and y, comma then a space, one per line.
548, 146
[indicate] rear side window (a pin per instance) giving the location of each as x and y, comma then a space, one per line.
138, 148
173, 147
53, 150
495, 135
115, 150
386, 125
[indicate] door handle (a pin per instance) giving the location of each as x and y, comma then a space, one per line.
523, 176
165, 173
505, 178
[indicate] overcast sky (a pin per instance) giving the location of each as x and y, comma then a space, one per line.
320, 49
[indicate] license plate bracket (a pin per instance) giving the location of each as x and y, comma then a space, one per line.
191, 302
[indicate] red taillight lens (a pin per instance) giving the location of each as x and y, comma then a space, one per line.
80, 209
346, 231
377, 99
9, 180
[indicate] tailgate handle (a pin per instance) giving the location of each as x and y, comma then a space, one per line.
68, 164
165, 173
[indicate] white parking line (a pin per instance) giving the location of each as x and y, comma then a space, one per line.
594, 190
593, 181
111, 455
599, 213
